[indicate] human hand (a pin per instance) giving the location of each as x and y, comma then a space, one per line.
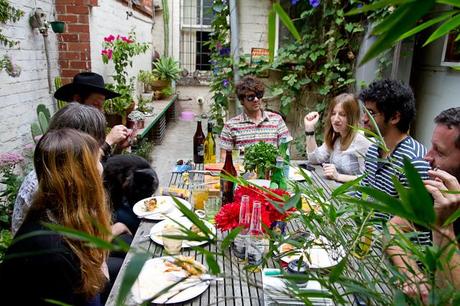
128, 141
117, 135
417, 286
445, 204
330, 172
119, 228
310, 121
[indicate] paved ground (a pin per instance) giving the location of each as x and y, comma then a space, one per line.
177, 144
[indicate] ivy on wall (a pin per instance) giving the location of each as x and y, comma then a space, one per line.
8, 13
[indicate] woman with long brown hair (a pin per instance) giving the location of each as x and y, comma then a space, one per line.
342, 153
42, 265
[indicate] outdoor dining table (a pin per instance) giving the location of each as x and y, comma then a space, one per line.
240, 287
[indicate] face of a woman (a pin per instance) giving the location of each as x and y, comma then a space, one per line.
339, 120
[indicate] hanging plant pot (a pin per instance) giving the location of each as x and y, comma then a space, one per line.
57, 26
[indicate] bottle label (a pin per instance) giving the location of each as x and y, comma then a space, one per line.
239, 246
255, 251
200, 150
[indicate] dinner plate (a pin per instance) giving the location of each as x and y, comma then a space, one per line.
155, 231
155, 277
296, 175
320, 256
166, 208
260, 183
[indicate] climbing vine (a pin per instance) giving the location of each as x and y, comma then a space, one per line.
222, 86
8, 13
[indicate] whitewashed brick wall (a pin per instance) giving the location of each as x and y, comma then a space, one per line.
253, 24
110, 18
20, 96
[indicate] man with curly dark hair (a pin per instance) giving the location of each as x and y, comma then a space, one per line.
254, 124
391, 104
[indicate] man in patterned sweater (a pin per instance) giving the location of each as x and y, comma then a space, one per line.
254, 124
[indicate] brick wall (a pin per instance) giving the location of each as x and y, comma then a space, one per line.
20, 96
74, 43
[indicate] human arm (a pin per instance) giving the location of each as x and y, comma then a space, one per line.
117, 135
445, 204
330, 172
416, 283
119, 228
310, 120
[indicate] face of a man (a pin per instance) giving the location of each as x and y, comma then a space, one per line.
443, 153
252, 103
378, 118
96, 100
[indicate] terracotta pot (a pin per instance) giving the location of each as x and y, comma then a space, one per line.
130, 124
160, 84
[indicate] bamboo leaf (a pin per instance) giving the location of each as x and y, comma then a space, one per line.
389, 22
286, 20
455, 3
230, 237
404, 23
376, 5
346, 186
452, 217
443, 29
271, 35
338, 270
76, 234
420, 199
133, 268
193, 218
212, 264
426, 24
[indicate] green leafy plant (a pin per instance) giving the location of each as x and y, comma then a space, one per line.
166, 68
9, 162
143, 148
407, 19
40, 127
260, 157
222, 86
121, 50
167, 92
8, 13
57, 84
136, 115
142, 105
5, 240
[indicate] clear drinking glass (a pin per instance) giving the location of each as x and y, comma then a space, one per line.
200, 195
172, 246
211, 208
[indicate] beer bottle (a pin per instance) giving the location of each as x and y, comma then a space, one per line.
198, 144
209, 147
226, 187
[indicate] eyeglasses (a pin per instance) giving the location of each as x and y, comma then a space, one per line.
257, 95
372, 113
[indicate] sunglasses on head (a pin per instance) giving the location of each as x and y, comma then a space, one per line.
251, 97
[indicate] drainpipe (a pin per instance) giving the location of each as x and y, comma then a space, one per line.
235, 46
48, 63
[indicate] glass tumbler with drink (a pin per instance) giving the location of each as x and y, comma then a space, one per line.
211, 208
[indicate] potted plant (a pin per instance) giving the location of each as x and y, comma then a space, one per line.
166, 69
147, 78
121, 50
260, 157
136, 117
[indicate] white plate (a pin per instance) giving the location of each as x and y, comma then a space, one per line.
296, 175
166, 208
319, 257
153, 279
155, 232
260, 183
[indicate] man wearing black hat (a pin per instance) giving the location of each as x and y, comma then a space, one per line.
88, 88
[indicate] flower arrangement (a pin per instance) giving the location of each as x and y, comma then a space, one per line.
121, 50
228, 216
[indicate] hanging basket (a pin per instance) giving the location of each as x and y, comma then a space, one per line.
57, 26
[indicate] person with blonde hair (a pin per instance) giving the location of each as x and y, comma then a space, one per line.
42, 265
342, 153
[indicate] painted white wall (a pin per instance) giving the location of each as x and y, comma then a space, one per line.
436, 89
20, 96
253, 24
110, 17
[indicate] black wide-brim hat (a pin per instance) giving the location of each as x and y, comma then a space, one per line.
85, 81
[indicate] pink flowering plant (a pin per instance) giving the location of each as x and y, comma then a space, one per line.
120, 50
